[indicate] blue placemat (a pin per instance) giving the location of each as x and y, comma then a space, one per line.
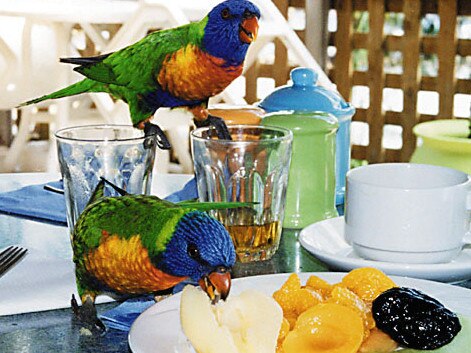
37, 203
121, 317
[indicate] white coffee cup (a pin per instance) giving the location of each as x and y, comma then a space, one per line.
408, 213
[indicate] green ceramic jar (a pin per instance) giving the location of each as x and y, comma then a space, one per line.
311, 183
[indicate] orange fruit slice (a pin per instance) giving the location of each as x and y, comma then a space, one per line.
344, 296
284, 330
325, 328
367, 282
294, 300
319, 285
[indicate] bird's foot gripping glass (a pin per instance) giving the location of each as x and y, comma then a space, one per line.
119, 153
253, 167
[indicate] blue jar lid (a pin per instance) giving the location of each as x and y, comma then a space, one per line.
304, 95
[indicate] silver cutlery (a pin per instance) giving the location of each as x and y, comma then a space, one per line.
10, 256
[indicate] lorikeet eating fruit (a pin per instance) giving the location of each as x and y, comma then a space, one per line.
178, 67
139, 244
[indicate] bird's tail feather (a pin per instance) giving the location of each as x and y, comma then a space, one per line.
76, 88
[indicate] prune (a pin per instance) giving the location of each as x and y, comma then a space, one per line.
413, 319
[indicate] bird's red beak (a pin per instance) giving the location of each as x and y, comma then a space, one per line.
248, 30
217, 284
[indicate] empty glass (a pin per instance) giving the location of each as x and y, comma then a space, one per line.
117, 153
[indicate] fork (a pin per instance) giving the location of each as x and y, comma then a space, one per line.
10, 256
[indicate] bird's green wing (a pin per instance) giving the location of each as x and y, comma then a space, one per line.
125, 216
137, 65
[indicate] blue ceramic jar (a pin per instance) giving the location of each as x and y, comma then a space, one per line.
304, 95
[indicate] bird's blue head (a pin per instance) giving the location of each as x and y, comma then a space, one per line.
232, 26
202, 249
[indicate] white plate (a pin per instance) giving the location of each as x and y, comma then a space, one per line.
158, 329
326, 241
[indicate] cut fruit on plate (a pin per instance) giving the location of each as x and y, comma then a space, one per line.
159, 328
247, 323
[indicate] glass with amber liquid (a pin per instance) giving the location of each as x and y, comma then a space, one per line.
252, 167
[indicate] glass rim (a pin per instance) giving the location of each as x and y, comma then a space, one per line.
58, 133
288, 134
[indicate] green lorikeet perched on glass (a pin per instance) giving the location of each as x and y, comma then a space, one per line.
178, 67
140, 244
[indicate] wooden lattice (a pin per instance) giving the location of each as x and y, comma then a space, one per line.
280, 68
412, 44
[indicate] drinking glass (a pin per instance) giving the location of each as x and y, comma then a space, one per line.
119, 153
252, 167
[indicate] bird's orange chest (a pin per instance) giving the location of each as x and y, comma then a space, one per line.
124, 266
192, 74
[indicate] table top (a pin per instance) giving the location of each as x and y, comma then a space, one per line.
54, 330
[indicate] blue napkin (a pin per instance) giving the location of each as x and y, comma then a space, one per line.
37, 203
121, 317
188, 192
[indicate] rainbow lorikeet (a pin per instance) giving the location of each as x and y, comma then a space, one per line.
140, 244
178, 67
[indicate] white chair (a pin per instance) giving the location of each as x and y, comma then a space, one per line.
22, 77
33, 36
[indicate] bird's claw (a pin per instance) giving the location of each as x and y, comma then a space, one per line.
155, 134
87, 316
218, 123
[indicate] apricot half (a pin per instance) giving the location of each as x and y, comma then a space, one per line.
294, 300
326, 328
367, 282
344, 296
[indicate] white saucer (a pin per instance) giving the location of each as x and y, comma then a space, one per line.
325, 240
